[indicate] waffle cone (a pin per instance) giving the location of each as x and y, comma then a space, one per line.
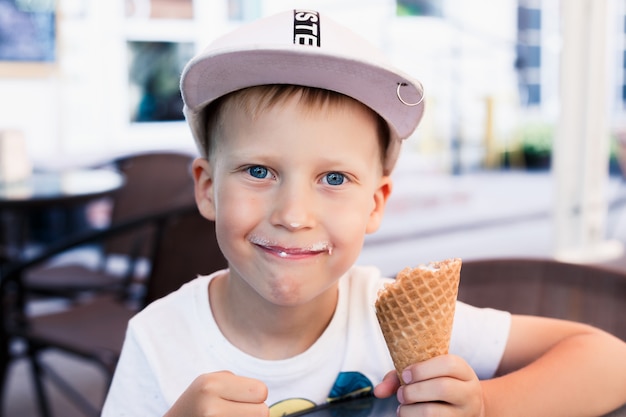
417, 310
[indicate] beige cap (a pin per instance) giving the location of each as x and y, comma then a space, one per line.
302, 47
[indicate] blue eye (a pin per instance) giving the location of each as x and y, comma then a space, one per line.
335, 178
258, 171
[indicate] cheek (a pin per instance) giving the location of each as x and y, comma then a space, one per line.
348, 225
230, 201
351, 232
236, 213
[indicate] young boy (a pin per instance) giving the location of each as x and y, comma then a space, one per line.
299, 123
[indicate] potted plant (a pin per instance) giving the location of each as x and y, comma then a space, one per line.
536, 145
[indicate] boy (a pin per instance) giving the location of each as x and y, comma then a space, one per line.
299, 123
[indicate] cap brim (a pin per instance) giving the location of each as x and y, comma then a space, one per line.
374, 86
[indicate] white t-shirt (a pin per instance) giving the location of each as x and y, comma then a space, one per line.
175, 339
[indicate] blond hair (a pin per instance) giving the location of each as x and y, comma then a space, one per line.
254, 100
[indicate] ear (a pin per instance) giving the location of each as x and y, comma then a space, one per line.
381, 195
202, 172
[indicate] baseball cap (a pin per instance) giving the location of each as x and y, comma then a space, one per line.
302, 47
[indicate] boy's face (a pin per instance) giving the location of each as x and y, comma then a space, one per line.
293, 191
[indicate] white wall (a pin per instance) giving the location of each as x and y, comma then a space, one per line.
30, 105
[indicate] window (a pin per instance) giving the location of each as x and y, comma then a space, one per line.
532, 56
528, 61
528, 18
533, 94
27, 31
624, 65
153, 75
419, 8
244, 10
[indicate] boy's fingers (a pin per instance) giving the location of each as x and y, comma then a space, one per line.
448, 390
444, 365
242, 389
247, 409
388, 386
231, 387
426, 409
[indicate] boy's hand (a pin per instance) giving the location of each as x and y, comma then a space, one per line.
443, 386
222, 394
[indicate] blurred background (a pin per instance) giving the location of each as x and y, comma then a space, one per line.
84, 80
519, 153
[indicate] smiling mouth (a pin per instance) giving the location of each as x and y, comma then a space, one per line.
292, 252
285, 253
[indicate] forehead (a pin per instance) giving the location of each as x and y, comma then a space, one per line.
255, 101
291, 108
292, 134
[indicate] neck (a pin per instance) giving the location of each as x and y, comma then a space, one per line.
265, 330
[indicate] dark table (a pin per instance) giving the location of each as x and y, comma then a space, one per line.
63, 187
358, 407
46, 191
374, 407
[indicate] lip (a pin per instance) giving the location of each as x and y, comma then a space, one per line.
290, 252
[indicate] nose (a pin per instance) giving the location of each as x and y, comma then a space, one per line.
294, 206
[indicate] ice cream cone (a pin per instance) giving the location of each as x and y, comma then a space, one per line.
417, 310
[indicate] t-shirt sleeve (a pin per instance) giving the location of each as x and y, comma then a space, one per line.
479, 335
134, 390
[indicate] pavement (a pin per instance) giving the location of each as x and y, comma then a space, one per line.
430, 216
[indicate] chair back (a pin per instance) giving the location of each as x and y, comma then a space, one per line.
154, 182
546, 287
186, 248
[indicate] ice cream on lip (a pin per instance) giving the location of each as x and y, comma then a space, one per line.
286, 250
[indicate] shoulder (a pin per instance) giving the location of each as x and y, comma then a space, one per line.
361, 286
186, 303
366, 279
475, 320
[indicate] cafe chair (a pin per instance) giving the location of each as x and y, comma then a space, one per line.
591, 294
154, 181
184, 246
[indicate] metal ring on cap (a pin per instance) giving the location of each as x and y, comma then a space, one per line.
405, 102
